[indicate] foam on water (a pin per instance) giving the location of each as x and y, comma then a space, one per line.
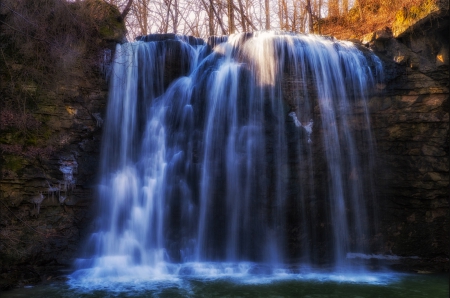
164, 275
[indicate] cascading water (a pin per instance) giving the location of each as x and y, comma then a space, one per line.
252, 155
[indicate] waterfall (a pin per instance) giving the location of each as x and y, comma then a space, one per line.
252, 148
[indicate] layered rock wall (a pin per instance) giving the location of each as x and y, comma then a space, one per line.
410, 121
49, 149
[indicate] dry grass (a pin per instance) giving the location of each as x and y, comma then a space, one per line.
376, 15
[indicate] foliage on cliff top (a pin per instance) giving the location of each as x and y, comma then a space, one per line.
42, 40
43, 45
372, 15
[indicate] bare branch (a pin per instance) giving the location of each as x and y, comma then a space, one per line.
126, 9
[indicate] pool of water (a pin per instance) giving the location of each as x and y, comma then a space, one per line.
253, 285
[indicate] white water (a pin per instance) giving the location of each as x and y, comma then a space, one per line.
220, 169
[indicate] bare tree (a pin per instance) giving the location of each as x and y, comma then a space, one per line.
333, 8
344, 6
242, 13
211, 17
267, 13
211, 14
126, 10
245, 18
174, 14
231, 26
361, 4
317, 15
310, 16
140, 10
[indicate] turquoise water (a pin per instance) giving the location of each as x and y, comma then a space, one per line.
311, 286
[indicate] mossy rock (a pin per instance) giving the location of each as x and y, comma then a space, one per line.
107, 18
14, 163
408, 16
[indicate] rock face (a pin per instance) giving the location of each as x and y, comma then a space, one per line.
46, 200
49, 164
410, 121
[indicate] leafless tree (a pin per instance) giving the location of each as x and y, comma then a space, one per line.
219, 17
127, 9
267, 13
140, 10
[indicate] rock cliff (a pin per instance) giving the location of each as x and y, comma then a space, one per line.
410, 121
49, 147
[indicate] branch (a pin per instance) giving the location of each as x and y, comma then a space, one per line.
126, 10
246, 18
219, 20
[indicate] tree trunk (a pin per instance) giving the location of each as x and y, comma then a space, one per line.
285, 16
141, 12
249, 23
211, 20
280, 14
310, 19
319, 17
241, 11
219, 20
344, 6
175, 17
166, 24
231, 27
267, 11
333, 8
360, 8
